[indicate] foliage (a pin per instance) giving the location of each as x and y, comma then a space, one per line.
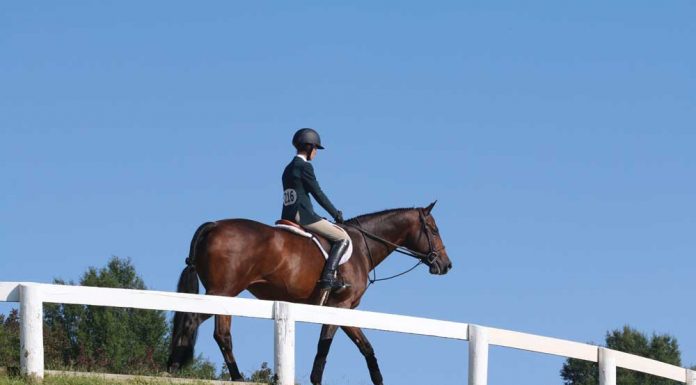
658, 347
9, 339
69, 380
263, 375
199, 368
97, 338
101, 339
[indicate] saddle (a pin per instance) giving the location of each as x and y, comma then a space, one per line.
318, 240
286, 222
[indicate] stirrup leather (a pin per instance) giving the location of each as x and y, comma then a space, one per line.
329, 277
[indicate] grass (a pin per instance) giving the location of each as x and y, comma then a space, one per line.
69, 380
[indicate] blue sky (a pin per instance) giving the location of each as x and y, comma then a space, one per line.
558, 137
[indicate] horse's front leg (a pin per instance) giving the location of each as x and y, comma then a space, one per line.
223, 338
327, 335
358, 337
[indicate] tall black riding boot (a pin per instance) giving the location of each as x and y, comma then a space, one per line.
328, 276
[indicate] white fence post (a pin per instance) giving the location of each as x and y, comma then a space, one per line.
690, 377
284, 343
478, 355
607, 367
31, 331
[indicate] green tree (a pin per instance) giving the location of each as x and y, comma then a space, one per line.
94, 338
97, 338
9, 340
658, 347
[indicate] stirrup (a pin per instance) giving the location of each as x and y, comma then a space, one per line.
327, 287
334, 284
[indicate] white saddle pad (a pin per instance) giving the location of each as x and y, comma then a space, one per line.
344, 258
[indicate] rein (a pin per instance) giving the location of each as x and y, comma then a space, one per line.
427, 258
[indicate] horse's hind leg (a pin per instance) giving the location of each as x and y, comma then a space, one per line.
224, 340
327, 335
357, 336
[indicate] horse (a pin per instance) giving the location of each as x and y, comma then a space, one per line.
233, 255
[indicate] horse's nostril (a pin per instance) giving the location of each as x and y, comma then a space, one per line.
450, 265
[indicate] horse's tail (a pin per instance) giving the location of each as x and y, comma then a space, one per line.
188, 281
185, 325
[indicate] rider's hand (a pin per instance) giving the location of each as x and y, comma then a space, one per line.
339, 217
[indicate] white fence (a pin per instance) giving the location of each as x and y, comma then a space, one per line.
31, 297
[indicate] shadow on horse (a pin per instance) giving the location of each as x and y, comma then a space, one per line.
230, 256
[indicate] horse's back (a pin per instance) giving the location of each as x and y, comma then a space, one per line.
243, 223
235, 254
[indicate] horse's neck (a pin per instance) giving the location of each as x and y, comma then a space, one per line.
394, 227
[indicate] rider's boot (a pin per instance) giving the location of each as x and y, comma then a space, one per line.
328, 280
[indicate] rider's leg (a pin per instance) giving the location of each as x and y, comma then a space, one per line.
328, 276
339, 244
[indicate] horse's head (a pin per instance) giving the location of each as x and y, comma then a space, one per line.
426, 240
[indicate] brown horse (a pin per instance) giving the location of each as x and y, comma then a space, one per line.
233, 255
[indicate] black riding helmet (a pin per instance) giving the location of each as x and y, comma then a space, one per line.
305, 136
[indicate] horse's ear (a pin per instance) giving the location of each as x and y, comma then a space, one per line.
429, 208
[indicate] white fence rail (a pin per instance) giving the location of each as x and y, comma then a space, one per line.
31, 296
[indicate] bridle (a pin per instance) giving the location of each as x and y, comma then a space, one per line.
428, 258
433, 254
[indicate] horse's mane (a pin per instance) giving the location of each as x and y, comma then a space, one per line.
378, 214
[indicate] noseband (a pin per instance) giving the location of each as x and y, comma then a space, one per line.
428, 258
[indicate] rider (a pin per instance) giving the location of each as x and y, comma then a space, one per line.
298, 182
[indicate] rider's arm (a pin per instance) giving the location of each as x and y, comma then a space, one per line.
313, 188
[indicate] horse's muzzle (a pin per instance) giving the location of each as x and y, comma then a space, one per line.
437, 267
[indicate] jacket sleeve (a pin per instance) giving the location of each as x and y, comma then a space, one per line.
312, 186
